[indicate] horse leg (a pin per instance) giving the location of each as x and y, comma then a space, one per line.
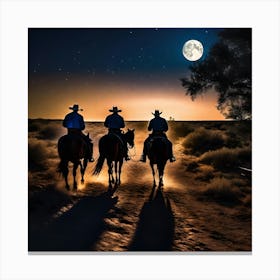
153, 171
76, 164
160, 173
116, 173
83, 169
64, 169
110, 173
120, 170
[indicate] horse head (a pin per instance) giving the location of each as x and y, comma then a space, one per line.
129, 137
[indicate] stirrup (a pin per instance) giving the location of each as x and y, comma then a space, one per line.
172, 159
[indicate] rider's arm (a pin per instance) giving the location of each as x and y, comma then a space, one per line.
122, 123
106, 122
65, 121
165, 126
150, 126
82, 123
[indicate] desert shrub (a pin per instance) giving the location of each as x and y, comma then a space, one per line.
36, 156
245, 155
206, 173
202, 140
50, 132
226, 158
221, 159
222, 190
180, 129
233, 140
192, 166
248, 201
239, 133
39, 154
33, 125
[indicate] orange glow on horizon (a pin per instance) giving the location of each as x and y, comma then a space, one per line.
136, 102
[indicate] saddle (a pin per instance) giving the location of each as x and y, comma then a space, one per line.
118, 136
157, 135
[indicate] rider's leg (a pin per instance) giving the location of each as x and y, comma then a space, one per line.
145, 150
171, 156
89, 147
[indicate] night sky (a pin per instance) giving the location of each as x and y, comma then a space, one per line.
136, 69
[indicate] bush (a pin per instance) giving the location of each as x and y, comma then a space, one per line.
51, 132
222, 190
203, 140
206, 173
192, 166
226, 158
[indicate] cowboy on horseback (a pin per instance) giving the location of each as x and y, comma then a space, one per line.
114, 123
159, 126
74, 122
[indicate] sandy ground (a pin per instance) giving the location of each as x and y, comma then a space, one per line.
137, 217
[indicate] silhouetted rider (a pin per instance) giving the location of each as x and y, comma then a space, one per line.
114, 123
159, 126
74, 122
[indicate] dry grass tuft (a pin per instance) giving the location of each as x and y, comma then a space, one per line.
226, 158
223, 190
203, 140
206, 173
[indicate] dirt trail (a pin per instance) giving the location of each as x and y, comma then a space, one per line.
140, 218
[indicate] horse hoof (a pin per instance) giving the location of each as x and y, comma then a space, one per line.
67, 188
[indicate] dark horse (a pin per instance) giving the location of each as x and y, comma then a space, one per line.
158, 154
111, 148
73, 148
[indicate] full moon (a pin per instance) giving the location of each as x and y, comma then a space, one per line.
192, 50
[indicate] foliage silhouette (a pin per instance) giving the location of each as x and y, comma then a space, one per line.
228, 70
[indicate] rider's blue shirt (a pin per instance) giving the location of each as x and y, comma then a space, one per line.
114, 121
74, 120
158, 124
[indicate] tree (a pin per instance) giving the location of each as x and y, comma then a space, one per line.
228, 70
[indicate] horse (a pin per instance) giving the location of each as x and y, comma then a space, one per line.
111, 148
158, 154
72, 148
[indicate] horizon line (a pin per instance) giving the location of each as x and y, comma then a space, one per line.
102, 121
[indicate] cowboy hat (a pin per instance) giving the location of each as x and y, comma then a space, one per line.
157, 113
115, 110
75, 108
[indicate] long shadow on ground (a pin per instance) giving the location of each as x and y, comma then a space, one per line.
155, 229
76, 230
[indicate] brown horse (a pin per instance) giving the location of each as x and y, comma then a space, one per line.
72, 148
112, 148
158, 154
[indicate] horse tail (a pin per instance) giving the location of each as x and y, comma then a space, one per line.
99, 165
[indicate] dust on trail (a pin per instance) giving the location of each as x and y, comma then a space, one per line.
173, 219
145, 219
